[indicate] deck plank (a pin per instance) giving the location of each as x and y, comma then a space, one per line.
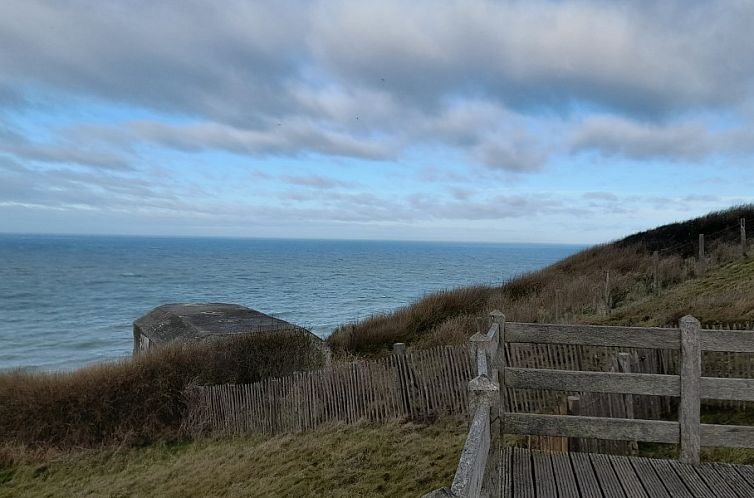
691, 479
628, 478
507, 470
540, 474
745, 471
523, 483
715, 481
653, 484
609, 482
564, 477
544, 479
588, 485
740, 485
672, 481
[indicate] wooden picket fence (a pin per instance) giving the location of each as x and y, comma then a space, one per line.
420, 385
414, 385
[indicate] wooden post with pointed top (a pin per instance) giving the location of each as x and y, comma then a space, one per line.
655, 271
691, 372
500, 363
701, 254
574, 408
624, 366
742, 222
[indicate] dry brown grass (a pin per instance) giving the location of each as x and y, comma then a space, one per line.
138, 400
409, 323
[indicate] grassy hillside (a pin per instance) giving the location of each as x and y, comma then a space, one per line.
723, 295
393, 460
610, 283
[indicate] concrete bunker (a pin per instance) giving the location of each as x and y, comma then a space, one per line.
201, 321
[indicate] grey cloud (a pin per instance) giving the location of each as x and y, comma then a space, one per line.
616, 136
640, 57
600, 196
316, 181
461, 194
11, 98
59, 188
292, 138
510, 155
496, 207
374, 79
492, 135
440, 175
67, 154
702, 198
684, 141
188, 57
65, 151
366, 207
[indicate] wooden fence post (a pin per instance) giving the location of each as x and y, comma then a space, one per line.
624, 366
574, 409
607, 292
743, 236
691, 371
655, 271
499, 318
701, 253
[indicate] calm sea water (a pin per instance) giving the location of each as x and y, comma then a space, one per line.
66, 301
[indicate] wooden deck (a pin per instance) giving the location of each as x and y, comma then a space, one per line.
536, 474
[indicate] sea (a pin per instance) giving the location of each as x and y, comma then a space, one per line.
69, 301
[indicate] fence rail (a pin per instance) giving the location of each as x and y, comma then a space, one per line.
688, 385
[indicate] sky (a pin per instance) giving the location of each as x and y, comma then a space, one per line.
500, 121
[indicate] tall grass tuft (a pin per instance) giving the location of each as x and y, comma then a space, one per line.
409, 323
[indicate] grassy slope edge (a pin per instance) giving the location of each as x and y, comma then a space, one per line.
339, 461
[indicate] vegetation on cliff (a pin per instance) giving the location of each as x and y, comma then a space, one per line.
139, 400
341, 461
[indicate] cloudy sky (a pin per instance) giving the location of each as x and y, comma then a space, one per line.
538, 121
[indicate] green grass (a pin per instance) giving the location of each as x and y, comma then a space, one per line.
710, 415
724, 295
390, 460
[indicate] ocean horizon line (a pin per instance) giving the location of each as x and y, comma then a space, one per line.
293, 239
